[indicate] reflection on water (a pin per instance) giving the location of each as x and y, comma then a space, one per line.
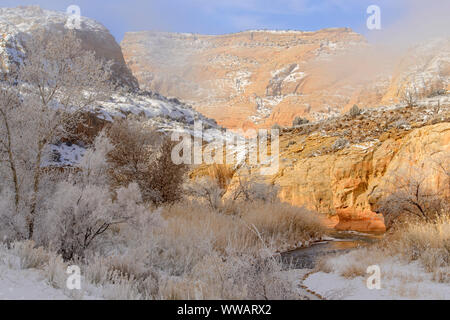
339, 241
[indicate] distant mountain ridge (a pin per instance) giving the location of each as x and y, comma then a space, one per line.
261, 77
16, 23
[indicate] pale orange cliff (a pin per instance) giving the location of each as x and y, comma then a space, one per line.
330, 168
258, 78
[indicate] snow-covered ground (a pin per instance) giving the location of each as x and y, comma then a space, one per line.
18, 283
28, 284
398, 281
63, 154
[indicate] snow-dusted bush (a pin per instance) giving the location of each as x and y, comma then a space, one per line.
56, 271
251, 189
354, 111
207, 190
30, 256
143, 155
78, 215
339, 144
122, 287
298, 121
82, 208
237, 277
12, 225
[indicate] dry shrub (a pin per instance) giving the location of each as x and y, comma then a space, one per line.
143, 155
56, 271
196, 254
222, 174
298, 121
354, 263
167, 177
283, 223
237, 277
354, 111
411, 198
30, 256
259, 225
96, 270
122, 288
222, 196
428, 243
206, 190
425, 243
409, 97
252, 188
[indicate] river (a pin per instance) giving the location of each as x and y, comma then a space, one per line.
337, 241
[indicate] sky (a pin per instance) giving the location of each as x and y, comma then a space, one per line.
228, 16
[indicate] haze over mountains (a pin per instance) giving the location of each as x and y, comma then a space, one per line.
261, 77
254, 78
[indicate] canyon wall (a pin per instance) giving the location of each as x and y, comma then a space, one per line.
258, 78
332, 169
350, 182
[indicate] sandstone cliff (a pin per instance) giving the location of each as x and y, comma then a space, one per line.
246, 79
258, 78
343, 167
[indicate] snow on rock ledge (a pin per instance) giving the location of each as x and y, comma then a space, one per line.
16, 23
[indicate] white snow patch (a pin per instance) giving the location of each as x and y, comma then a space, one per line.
398, 281
63, 155
26, 285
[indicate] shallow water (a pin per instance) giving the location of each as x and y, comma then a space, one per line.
338, 241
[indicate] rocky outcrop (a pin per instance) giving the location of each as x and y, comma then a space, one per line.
16, 23
351, 181
332, 169
258, 78
247, 79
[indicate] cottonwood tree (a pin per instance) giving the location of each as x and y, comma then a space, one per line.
9, 102
55, 83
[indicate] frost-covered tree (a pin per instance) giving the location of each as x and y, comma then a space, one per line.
82, 209
409, 97
52, 87
9, 102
